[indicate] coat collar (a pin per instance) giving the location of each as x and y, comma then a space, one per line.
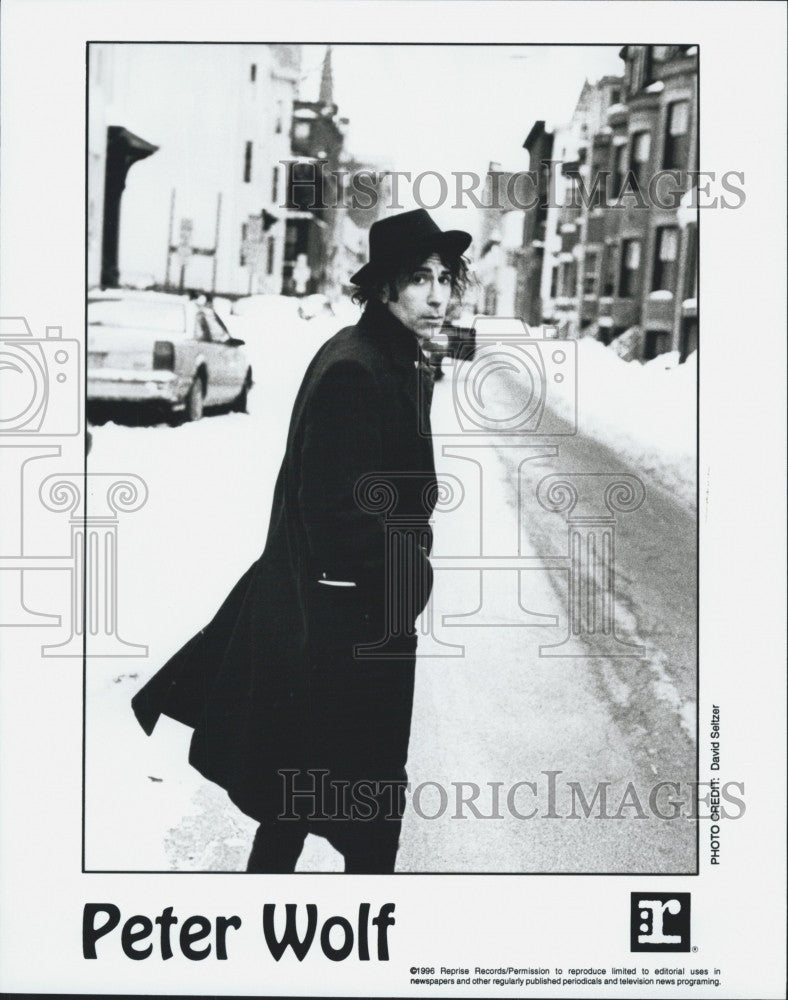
402, 347
393, 337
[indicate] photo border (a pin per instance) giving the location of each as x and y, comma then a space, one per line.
399, 44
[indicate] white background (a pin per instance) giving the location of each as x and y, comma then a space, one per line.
738, 909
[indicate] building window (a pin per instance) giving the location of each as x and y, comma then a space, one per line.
590, 272
554, 283
248, 163
253, 72
275, 185
689, 338
572, 200
242, 254
641, 68
691, 265
619, 171
657, 342
569, 279
664, 52
629, 279
278, 126
301, 130
609, 271
666, 253
615, 96
291, 241
639, 158
676, 154
599, 174
269, 263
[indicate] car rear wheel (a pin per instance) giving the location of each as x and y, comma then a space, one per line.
195, 400
240, 402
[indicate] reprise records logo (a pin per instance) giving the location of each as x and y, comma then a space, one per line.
659, 921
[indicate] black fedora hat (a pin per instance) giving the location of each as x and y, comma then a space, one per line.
399, 237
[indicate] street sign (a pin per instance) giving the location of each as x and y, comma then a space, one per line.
254, 228
253, 242
185, 244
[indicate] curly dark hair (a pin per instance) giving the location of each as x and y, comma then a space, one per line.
388, 279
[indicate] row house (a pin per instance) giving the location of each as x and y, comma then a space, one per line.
529, 302
500, 240
622, 242
326, 230
513, 234
262, 120
564, 217
312, 195
316, 142
354, 216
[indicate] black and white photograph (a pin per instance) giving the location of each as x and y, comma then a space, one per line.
392, 450
431, 374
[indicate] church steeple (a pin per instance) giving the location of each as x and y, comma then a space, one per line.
327, 79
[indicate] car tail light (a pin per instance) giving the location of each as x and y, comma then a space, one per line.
163, 355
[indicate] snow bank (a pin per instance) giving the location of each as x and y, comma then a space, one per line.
644, 413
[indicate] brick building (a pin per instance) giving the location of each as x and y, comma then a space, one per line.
326, 236
565, 214
529, 305
621, 244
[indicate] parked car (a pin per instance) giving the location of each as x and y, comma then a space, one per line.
151, 347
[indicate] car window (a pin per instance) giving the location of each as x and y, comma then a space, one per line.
220, 322
164, 317
201, 329
216, 329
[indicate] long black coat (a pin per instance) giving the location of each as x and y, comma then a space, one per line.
276, 680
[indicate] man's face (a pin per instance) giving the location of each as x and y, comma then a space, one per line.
423, 298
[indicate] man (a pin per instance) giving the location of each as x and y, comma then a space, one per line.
300, 690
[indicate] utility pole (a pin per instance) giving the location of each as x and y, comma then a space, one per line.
169, 241
216, 240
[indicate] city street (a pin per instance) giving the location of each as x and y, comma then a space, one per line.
505, 713
510, 742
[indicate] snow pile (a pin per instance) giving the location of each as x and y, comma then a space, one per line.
275, 333
266, 308
644, 413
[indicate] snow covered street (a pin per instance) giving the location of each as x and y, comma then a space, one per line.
512, 734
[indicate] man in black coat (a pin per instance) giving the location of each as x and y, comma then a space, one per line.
300, 690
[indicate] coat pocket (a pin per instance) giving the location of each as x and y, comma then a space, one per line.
339, 612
